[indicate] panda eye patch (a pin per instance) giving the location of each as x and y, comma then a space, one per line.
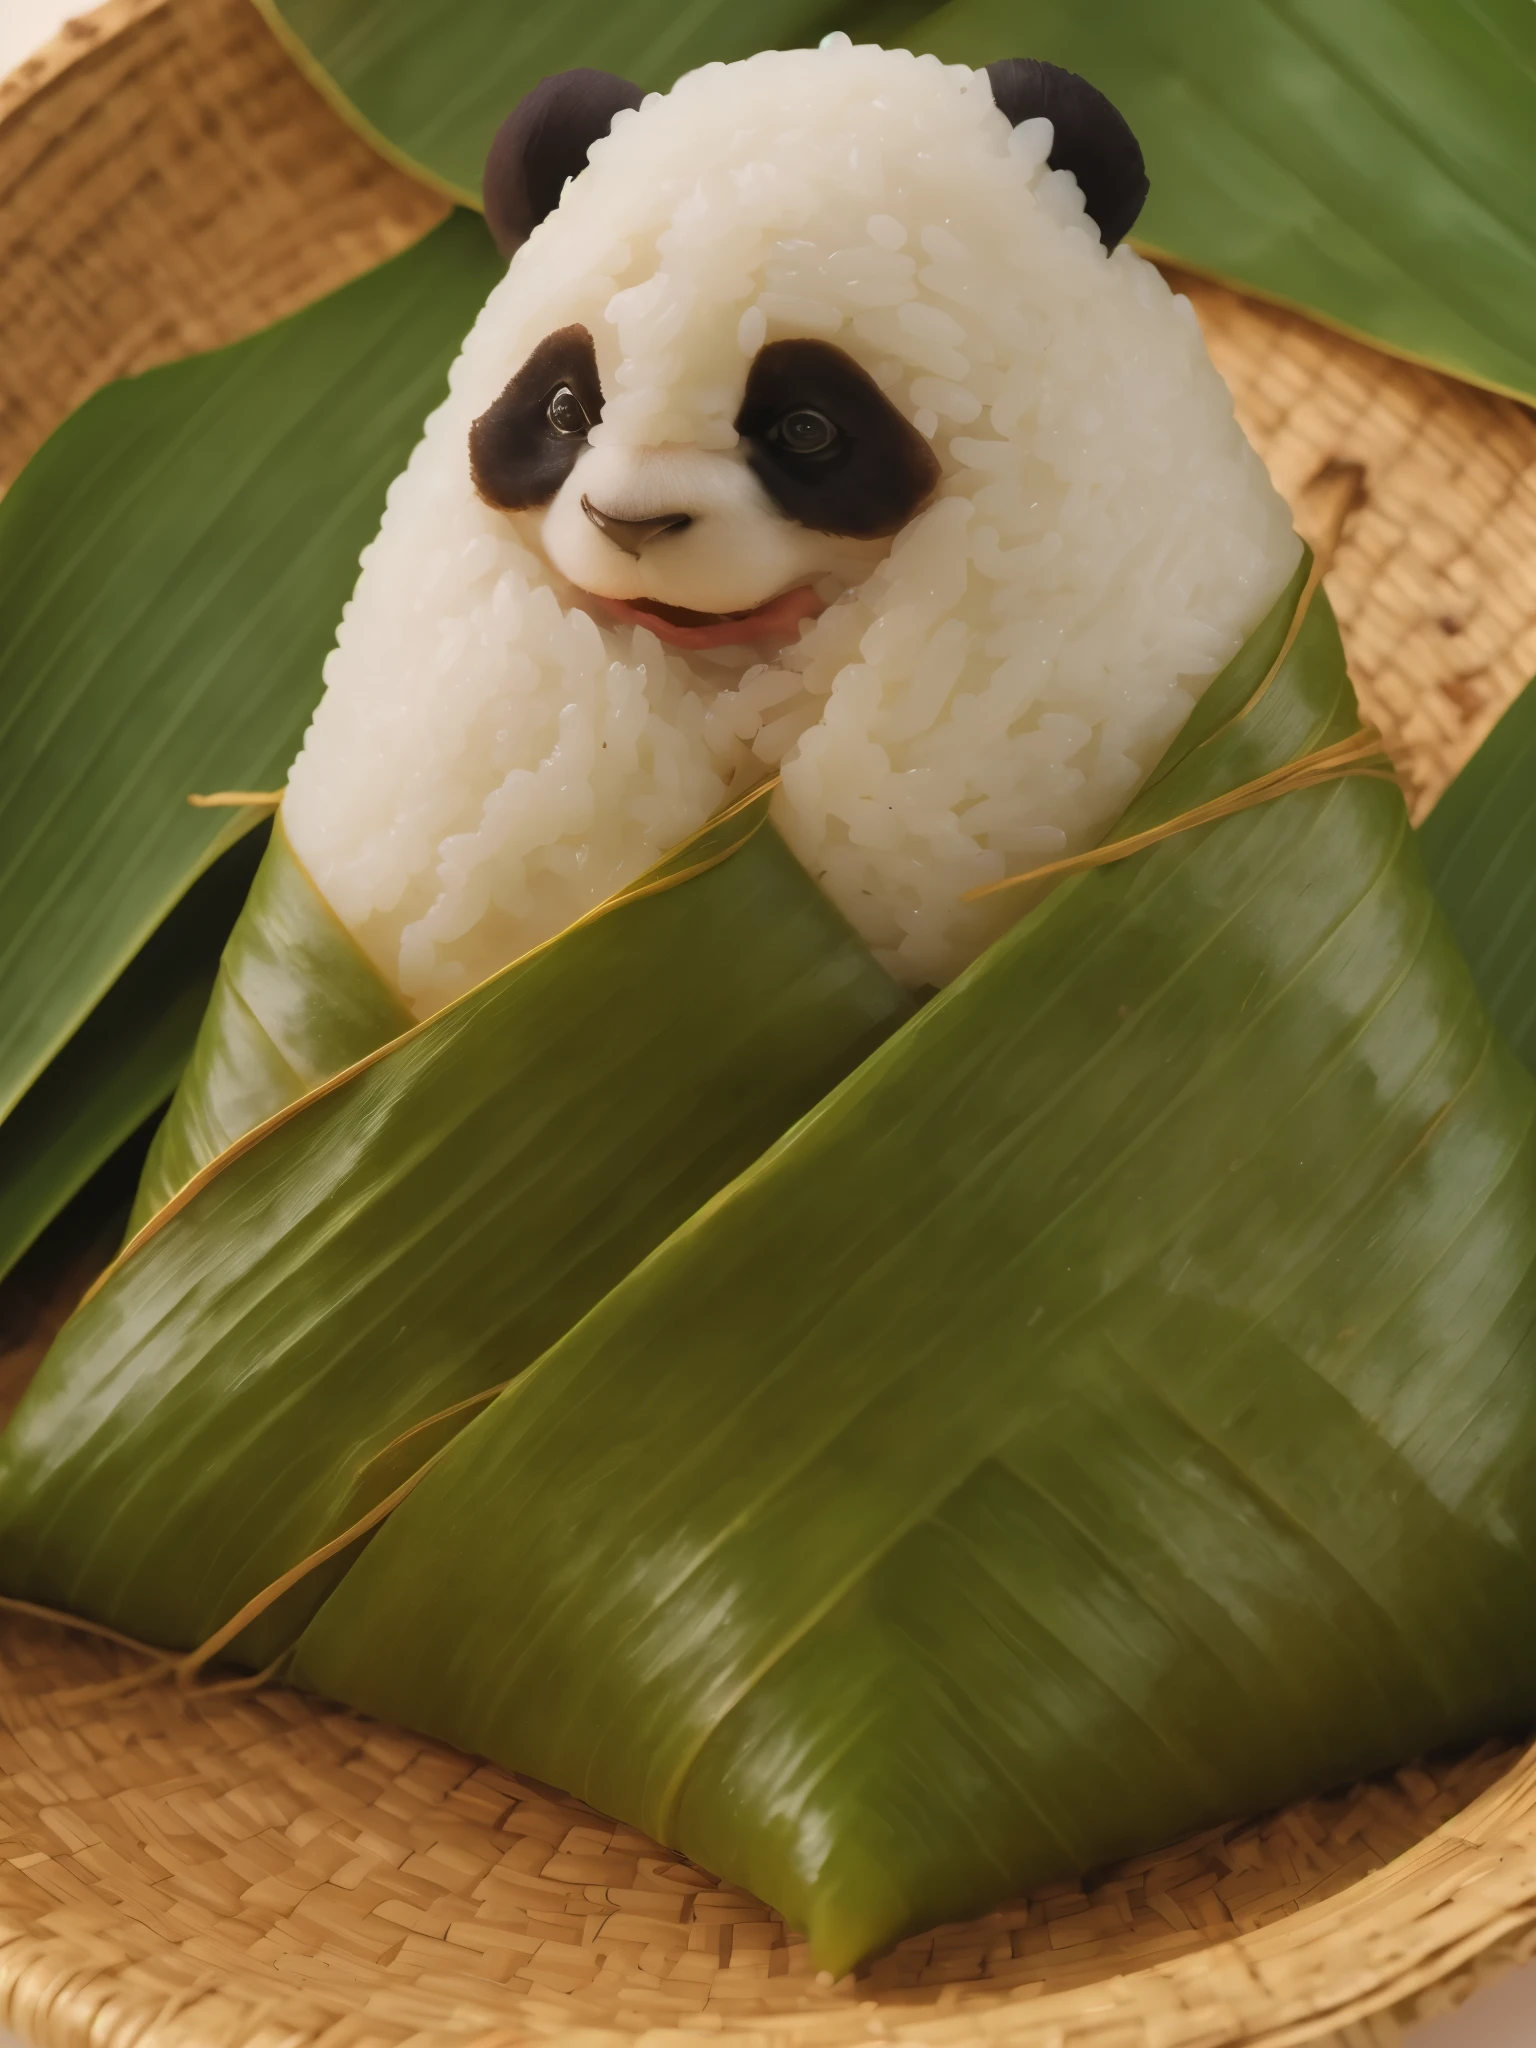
828, 446
522, 449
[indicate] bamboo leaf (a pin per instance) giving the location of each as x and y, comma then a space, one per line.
216, 1410
172, 564
1112, 1412
1479, 848
124, 1061
429, 88
295, 1001
1369, 164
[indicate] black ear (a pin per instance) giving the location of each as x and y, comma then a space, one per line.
544, 141
1093, 139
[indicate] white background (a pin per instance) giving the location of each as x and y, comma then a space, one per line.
1504, 2016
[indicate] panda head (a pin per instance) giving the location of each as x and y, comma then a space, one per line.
712, 430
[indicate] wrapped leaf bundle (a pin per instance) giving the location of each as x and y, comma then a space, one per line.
978, 643
1081, 1422
1148, 1433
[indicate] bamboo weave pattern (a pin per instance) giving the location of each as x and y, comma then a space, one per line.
267, 1872
253, 1871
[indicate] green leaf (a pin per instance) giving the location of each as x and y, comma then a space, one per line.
295, 1001
429, 87
172, 565
425, 1228
1370, 164
1479, 848
123, 1062
1113, 1411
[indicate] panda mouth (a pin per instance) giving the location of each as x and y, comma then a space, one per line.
779, 618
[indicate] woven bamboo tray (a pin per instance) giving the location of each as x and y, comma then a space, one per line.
269, 1872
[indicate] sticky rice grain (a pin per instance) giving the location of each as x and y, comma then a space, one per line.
489, 760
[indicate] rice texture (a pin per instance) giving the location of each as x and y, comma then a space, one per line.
494, 754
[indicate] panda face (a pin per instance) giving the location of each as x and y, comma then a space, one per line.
714, 546
727, 485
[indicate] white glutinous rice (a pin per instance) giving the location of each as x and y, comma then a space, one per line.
490, 760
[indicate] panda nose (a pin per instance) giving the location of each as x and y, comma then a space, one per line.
633, 534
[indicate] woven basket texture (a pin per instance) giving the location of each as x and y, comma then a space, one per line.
266, 1871
168, 182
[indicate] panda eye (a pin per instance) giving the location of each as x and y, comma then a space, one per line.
804, 431
526, 443
566, 413
828, 446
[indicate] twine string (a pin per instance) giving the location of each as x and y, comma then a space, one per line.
161, 1661
185, 1668
237, 799
188, 1666
269, 799
33, 1610
634, 892
431, 1421
1339, 488
1360, 755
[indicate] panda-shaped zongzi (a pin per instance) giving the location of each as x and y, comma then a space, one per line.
823, 424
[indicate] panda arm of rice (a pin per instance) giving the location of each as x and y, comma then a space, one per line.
820, 425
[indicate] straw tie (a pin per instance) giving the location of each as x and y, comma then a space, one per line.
1360, 755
